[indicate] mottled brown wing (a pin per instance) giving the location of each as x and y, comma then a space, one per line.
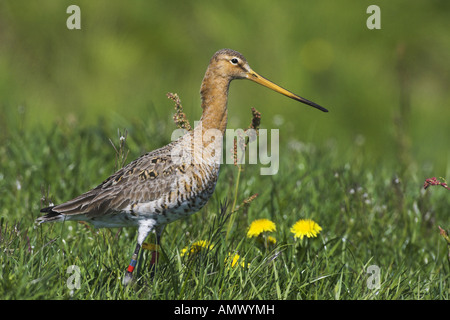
145, 179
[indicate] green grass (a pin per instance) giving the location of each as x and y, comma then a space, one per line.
358, 171
369, 215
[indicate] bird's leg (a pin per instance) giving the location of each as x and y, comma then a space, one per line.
139, 263
132, 265
155, 253
155, 256
144, 229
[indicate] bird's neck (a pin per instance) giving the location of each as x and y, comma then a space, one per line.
214, 93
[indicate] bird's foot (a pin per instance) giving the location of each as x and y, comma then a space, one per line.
128, 278
129, 273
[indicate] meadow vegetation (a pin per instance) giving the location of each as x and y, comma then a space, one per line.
358, 171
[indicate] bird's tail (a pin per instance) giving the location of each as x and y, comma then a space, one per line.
51, 215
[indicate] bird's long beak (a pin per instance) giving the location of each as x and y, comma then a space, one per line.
252, 75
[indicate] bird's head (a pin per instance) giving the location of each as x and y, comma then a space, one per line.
232, 65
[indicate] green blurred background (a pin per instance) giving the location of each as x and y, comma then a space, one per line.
387, 90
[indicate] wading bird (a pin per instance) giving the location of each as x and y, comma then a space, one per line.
171, 182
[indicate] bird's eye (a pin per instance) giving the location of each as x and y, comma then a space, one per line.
234, 61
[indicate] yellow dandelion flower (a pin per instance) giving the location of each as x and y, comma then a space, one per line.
271, 240
234, 261
266, 241
196, 247
305, 227
259, 226
155, 252
151, 246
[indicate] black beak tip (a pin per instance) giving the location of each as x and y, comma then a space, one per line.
315, 105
